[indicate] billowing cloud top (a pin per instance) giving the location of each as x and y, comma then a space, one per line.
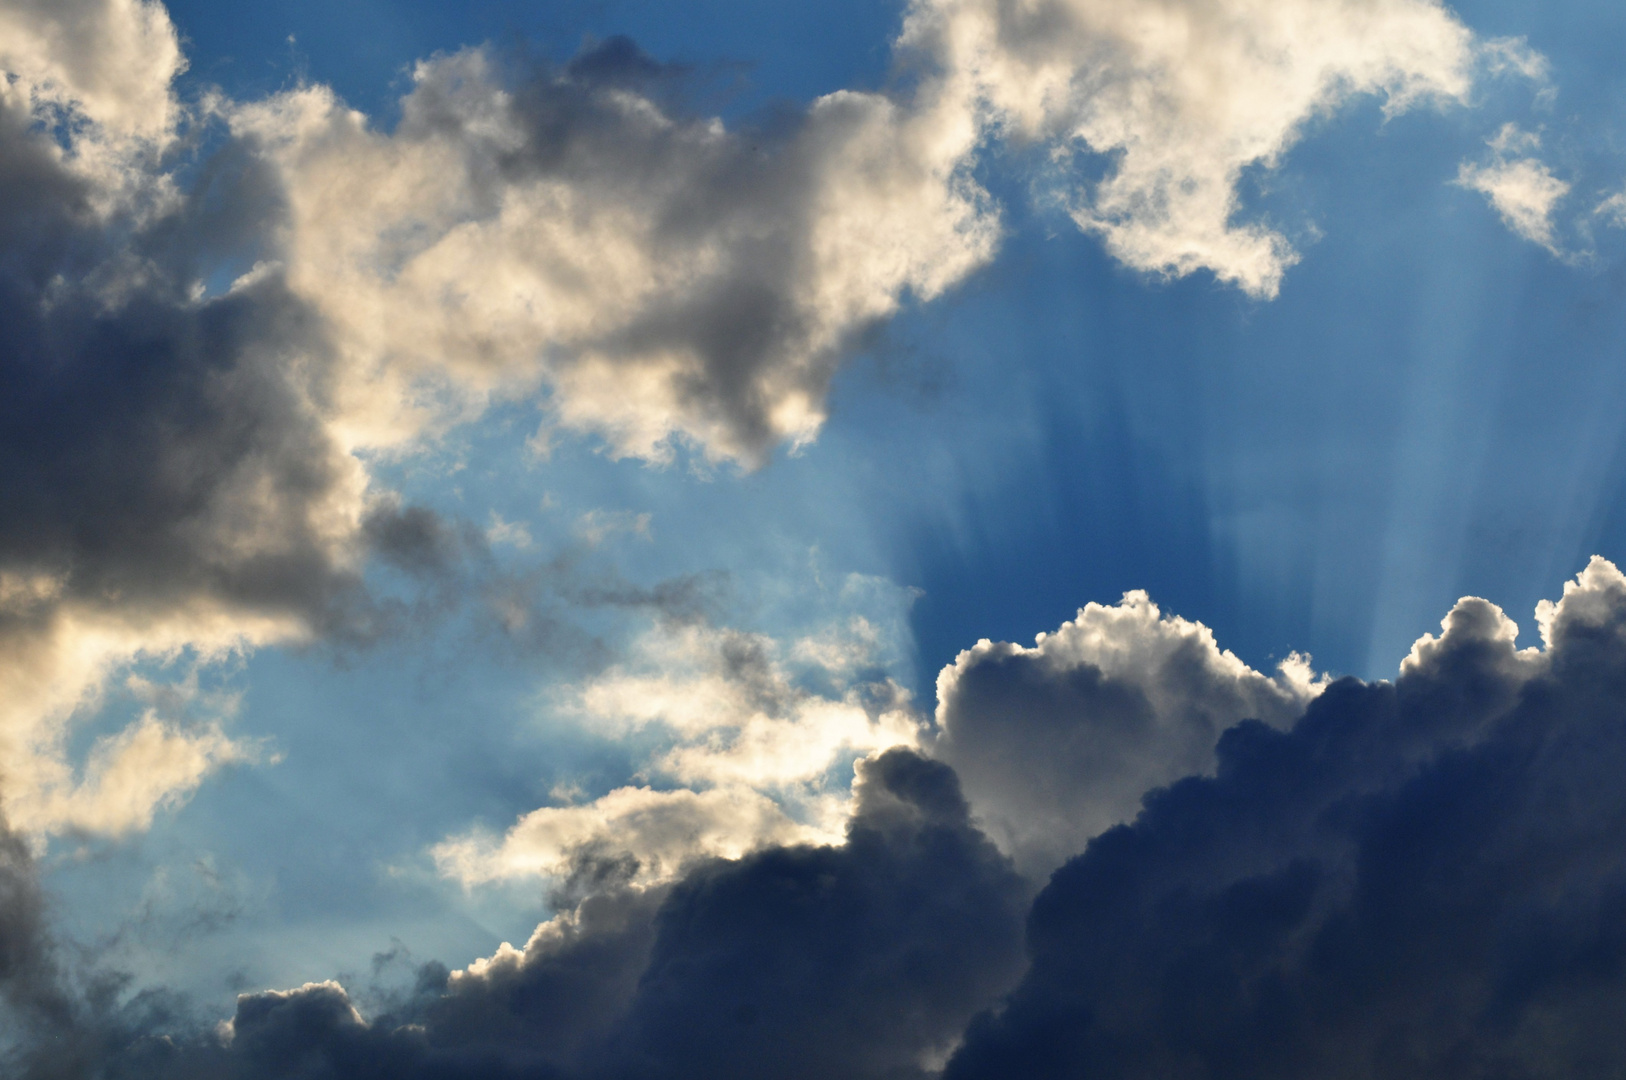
1418, 877
1058, 742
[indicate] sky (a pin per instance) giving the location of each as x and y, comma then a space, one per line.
961, 538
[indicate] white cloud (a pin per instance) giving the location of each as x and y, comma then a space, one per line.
1177, 98
1058, 742
663, 830
1613, 209
111, 61
55, 677
752, 744
666, 277
597, 526
512, 533
1519, 185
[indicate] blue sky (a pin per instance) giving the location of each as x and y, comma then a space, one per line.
653, 402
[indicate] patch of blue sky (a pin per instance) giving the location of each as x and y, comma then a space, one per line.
755, 53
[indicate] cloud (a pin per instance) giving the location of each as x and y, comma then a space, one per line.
1421, 879
1153, 111
176, 482
31, 995
1521, 187
205, 347
169, 486
756, 732
660, 832
183, 457
666, 277
1057, 743
862, 960
110, 61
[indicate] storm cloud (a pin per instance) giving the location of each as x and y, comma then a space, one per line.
1421, 878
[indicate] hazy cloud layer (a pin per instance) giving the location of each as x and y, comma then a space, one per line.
1058, 742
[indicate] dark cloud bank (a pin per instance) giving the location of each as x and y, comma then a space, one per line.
1424, 878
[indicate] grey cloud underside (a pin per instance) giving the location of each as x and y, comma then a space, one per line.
862, 961
153, 449
1424, 879
30, 995
739, 210
1421, 878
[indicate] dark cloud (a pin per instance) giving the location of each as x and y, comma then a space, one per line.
156, 448
417, 540
863, 960
28, 978
1058, 742
1420, 879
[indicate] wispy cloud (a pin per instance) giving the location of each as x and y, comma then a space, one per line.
1518, 184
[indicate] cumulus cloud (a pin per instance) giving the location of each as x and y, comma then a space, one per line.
1521, 188
1171, 103
666, 277
1421, 878
169, 486
184, 460
1058, 742
757, 733
110, 61
862, 960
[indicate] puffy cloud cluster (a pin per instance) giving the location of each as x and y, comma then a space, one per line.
754, 739
1420, 878
1154, 110
180, 457
202, 351
665, 276
1057, 743
168, 485
109, 61
864, 960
